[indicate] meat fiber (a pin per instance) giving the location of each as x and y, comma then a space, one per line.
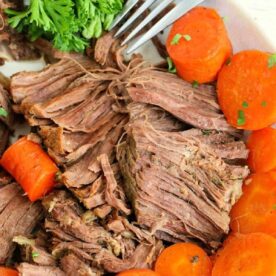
195, 106
70, 103
184, 178
26, 269
6, 121
18, 216
88, 242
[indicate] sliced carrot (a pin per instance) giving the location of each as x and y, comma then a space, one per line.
256, 209
247, 255
138, 272
198, 45
183, 259
31, 167
262, 146
246, 90
5, 271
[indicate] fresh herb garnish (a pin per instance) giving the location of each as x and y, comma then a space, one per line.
225, 18
176, 39
171, 67
228, 61
274, 207
264, 104
206, 132
35, 254
245, 104
272, 61
69, 24
3, 112
195, 84
195, 259
187, 37
241, 118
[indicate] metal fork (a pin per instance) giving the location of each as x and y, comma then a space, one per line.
180, 9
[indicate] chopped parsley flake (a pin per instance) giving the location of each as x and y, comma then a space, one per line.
272, 61
225, 18
195, 84
176, 39
35, 254
187, 37
171, 67
228, 61
274, 207
3, 112
195, 259
241, 118
206, 132
245, 104
264, 104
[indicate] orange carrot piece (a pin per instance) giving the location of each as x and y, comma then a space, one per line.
256, 209
246, 90
138, 272
198, 45
183, 259
247, 255
262, 146
31, 167
5, 271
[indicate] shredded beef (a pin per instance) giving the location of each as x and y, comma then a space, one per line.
26, 269
93, 245
18, 216
195, 106
179, 175
72, 265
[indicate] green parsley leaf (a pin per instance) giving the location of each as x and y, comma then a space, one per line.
35, 254
195, 84
264, 104
225, 18
195, 259
274, 207
272, 61
245, 104
68, 24
171, 67
228, 61
187, 37
176, 39
206, 132
241, 118
3, 112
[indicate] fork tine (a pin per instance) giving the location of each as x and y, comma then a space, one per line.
180, 9
128, 6
149, 18
126, 25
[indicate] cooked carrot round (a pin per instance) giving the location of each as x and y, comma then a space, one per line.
31, 167
247, 255
246, 90
198, 45
183, 259
138, 272
256, 209
262, 146
5, 271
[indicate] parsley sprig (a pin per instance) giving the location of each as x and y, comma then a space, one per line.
69, 24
